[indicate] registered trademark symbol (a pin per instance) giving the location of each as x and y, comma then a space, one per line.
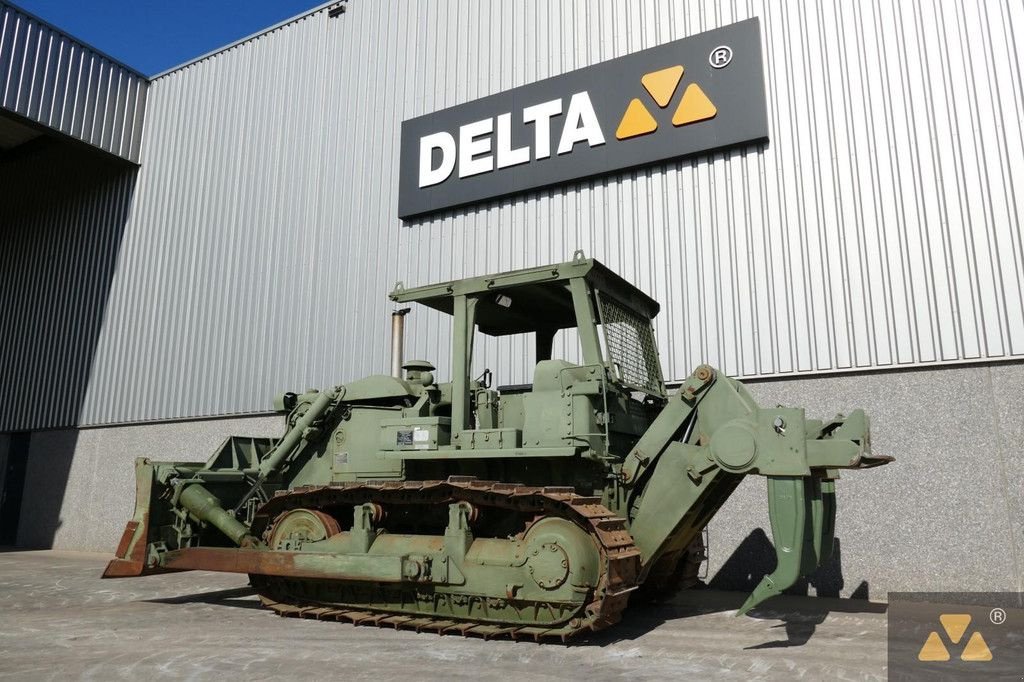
720, 57
997, 616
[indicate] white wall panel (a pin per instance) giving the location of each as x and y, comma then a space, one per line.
879, 227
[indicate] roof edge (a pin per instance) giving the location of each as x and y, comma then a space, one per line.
89, 46
253, 36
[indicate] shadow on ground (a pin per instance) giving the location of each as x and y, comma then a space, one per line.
739, 575
800, 615
238, 597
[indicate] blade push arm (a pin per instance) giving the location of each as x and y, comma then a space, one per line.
711, 434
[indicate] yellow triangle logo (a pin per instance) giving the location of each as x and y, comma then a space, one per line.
976, 649
636, 121
662, 84
933, 649
695, 106
955, 625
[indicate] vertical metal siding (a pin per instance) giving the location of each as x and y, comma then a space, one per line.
56, 81
62, 214
880, 227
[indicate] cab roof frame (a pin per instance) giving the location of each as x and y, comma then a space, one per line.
530, 299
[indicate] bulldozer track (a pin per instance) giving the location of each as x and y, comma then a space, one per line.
619, 557
662, 585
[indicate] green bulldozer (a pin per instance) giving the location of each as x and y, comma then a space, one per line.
530, 511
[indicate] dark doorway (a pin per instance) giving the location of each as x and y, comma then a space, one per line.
13, 487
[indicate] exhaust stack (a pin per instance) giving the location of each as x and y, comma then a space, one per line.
398, 341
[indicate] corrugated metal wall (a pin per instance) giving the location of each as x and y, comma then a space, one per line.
879, 228
63, 211
50, 78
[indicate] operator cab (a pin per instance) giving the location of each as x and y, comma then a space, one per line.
599, 406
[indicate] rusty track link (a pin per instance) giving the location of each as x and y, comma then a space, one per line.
620, 559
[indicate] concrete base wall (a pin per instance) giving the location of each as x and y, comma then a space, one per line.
80, 484
948, 515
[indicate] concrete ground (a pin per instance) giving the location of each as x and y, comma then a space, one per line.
58, 620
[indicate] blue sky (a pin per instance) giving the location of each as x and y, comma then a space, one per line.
154, 35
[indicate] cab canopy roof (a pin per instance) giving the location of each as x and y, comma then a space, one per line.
532, 299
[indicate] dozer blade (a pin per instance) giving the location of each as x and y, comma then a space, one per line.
130, 560
803, 515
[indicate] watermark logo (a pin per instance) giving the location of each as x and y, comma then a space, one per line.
954, 625
956, 636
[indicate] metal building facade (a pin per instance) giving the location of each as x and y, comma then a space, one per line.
71, 126
879, 227
50, 79
62, 216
